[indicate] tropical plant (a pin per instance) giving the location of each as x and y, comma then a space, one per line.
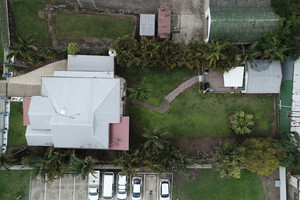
23, 49
6, 160
194, 55
221, 55
73, 48
82, 167
260, 156
137, 92
155, 140
250, 54
228, 160
241, 122
286, 8
290, 144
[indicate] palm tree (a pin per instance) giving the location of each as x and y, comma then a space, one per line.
82, 167
6, 160
240, 122
215, 52
135, 93
23, 48
250, 54
155, 139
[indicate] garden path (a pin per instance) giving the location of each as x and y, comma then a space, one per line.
164, 106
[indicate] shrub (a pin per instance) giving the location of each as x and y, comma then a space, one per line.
73, 48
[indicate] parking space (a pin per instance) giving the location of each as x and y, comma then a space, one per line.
67, 188
74, 188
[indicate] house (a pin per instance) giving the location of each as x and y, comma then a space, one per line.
82, 107
241, 22
294, 187
264, 78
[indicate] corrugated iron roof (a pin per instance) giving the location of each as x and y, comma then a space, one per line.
295, 114
164, 22
147, 24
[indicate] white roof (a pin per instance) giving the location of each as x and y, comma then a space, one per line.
264, 78
147, 24
84, 74
90, 63
295, 120
234, 77
77, 111
94, 178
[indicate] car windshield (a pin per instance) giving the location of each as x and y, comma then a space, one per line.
164, 195
122, 192
93, 193
136, 194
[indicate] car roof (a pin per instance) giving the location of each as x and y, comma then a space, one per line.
165, 188
136, 188
122, 179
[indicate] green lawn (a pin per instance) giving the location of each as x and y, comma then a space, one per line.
192, 116
286, 102
158, 81
27, 20
102, 26
209, 186
16, 134
13, 184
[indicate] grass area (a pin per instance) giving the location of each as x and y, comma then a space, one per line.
103, 26
27, 20
286, 100
209, 186
14, 184
16, 134
158, 81
192, 116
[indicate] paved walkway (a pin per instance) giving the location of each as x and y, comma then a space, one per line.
29, 84
164, 106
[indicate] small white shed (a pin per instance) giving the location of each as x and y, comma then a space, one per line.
234, 77
147, 24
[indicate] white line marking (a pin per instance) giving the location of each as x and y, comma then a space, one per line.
74, 190
59, 191
45, 195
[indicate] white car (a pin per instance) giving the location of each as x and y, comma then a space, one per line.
122, 187
136, 188
164, 192
93, 193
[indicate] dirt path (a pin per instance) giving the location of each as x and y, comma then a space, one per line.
271, 192
164, 106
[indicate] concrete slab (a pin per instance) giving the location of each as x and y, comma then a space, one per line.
151, 187
67, 187
52, 191
81, 188
37, 189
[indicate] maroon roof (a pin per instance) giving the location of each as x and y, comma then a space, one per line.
164, 22
119, 135
26, 104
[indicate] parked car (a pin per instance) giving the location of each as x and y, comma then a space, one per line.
164, 192
122, 187
93, 185
136, 188
108, 185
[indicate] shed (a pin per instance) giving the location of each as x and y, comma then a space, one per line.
234, 77
243, 21
147, 24
164, 22
295, 115
264, 78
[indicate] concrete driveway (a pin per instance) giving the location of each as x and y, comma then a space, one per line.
29, 84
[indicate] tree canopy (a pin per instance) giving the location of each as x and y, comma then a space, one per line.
260, 156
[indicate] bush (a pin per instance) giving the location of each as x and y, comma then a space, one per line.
240, 122
73, 48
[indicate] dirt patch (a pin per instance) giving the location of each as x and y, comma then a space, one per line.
200, 148
271, 192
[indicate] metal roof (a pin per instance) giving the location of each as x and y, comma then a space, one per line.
264, 78
164, 22
147, 24
84, 74
295, 119
76, 111
91, 63
234, 77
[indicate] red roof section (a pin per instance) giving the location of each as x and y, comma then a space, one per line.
119, 135
26, 104
164, 22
